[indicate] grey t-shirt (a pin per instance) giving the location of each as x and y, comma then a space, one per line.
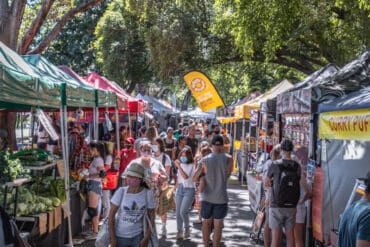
273, 173
215, 190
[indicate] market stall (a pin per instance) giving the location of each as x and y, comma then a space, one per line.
343, 144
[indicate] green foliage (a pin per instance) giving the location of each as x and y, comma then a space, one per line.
74, 45
121, 49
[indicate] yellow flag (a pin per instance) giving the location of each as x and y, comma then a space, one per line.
203, 90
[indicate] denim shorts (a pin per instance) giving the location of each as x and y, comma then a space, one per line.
95, 186
211, 210
130, 242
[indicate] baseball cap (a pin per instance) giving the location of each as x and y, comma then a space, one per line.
217, 140
135, 170
130, 140
287, 145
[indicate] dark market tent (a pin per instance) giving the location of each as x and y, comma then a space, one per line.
346, 157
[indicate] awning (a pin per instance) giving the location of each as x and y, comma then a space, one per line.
104, 98
77, 94
242, 111
226, 120
101, 82
21, 87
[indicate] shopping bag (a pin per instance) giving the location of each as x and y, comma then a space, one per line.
103, 238
258, 221
166, 200
153, 241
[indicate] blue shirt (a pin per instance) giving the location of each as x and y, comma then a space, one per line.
355, 224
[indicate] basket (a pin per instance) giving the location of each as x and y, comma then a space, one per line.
110, 182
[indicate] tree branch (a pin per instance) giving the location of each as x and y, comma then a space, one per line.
41, 47
35, 26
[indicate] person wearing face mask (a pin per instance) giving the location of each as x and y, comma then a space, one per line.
131, 203
155, 173
158, 154
185, 192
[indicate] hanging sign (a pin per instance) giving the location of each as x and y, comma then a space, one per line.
203, 91
47, 124
345, 125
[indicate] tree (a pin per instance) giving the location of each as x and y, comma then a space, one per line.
35, 39
121, 49
74, 44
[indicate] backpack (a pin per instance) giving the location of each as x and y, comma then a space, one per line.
288, 193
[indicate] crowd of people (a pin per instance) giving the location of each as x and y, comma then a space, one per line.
159, 173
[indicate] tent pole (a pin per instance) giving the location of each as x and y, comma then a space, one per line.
64, 135
244, 158
249, 143
129, 122
117, 130
96, 120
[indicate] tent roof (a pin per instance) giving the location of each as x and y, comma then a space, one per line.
105, 98
242, 111
158, 105
77, 94
20, 85
198, 113
101, 82
355, 100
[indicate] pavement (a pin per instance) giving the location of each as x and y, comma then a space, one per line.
237, 224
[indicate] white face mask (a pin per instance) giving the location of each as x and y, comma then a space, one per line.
155, 148
146, 154
198, 136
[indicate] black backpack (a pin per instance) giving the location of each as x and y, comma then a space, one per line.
288, 193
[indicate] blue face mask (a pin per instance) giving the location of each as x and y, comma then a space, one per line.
155, 148
183, 159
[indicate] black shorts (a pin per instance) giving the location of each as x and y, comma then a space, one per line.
213, 211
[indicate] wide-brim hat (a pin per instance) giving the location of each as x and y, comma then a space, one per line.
135, 170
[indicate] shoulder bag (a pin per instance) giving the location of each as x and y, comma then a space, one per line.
103, 238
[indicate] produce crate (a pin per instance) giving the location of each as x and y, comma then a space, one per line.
51, 225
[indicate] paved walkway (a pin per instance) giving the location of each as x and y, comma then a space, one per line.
237, 225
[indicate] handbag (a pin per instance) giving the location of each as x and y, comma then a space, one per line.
103, 238
153, 241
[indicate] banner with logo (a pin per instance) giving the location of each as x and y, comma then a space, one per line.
203, 91
345, 125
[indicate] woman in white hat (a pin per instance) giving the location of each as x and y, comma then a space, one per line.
131, 204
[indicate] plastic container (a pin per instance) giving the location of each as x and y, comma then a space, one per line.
111, 181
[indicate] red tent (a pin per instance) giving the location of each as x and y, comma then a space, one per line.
123, 98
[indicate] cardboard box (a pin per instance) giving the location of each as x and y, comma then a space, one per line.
58, 216
43, 220
51, 225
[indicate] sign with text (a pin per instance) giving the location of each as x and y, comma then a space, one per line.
46, 122
345, 125
203, 91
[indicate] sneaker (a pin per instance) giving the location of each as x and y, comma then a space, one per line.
180, 236
187, 234
93, 235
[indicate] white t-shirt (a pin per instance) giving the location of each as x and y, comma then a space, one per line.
108, 160
129, 220
167, 160
189, 169
93, 168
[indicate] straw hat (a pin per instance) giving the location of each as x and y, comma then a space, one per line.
135, 170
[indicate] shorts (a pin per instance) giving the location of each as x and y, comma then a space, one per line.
211, 210
300, 216
280, 218
95, 186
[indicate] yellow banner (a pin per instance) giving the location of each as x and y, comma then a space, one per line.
345, 125
203, 90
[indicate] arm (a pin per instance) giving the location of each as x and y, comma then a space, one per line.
111, 222
306, 187
229, 166
363, 243
198, 172
182, 172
